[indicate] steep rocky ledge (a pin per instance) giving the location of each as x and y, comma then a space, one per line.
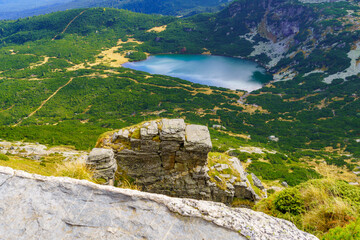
170, 157
38, 207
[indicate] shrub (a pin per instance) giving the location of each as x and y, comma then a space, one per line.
289, 201
136, 56
270, 191
243, 156
315, 206
3, 157
349, 232
292, 175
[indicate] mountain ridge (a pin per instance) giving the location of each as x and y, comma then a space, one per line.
172, 7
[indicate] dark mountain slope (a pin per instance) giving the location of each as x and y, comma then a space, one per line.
18, 9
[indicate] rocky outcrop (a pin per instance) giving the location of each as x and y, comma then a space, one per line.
275, 19
170, 157
38, 207
103, 163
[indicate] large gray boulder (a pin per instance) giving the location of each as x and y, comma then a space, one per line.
38, 207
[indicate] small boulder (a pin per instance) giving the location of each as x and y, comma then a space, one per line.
103, 163
149, 130
197, 138
225, 175
284, 184
232, 180
241, 184
36, 157
122, 134
273, 138
239, 168
172, 129
257, 181
221, 167
217, 178
230, 186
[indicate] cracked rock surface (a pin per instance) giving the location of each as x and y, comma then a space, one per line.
38, 207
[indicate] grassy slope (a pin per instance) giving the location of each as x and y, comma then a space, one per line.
315, 206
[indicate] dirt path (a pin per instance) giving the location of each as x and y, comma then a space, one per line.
7, 109
46, 60
67, 26
44, 102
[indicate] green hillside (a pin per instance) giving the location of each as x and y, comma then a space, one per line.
57, 58
303, 113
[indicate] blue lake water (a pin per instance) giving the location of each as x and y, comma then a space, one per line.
217, 71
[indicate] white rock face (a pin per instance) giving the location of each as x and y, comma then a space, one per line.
37, 207
354, 68
275, 51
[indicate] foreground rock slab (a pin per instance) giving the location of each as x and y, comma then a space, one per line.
38, 207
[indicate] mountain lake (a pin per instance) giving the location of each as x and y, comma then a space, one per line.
227, 72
